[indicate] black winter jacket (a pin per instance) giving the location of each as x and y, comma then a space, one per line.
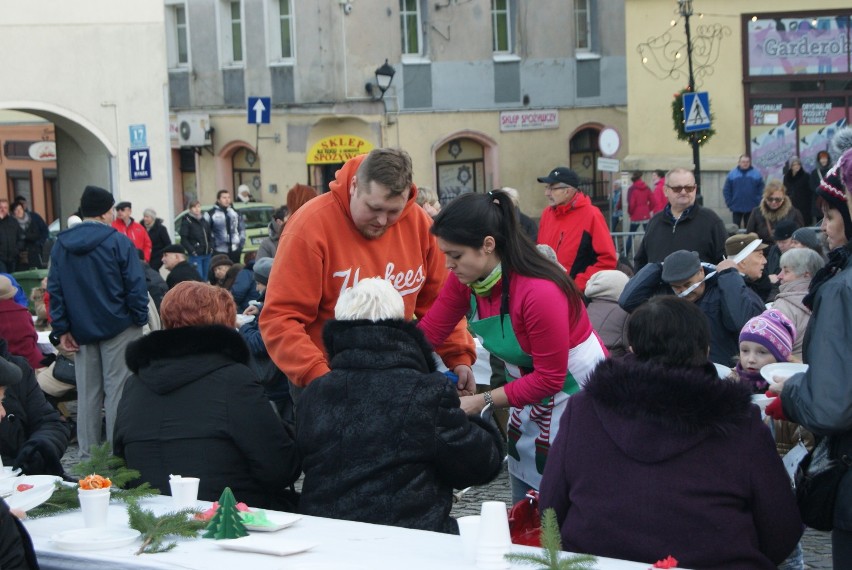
32, 435
382, 437
699, 230
11, 240
728, 303
181, 272
195, 235
194, 408
159, 240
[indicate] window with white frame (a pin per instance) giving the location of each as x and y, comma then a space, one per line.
582, 25
231, 32
409, 26
281, 31
177, 36
500, 26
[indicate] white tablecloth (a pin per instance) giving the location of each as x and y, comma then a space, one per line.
340, 545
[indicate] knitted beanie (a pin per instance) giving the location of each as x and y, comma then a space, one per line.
262, 268
773, 330
606, 284
833, 192
95, 202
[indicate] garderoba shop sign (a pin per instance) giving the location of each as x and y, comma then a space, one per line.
800, 45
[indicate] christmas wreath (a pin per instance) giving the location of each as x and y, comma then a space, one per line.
679, 120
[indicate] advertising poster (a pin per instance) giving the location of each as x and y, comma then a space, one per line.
818, 121
773, 137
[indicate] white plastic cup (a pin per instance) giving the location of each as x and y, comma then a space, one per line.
184, 491
494, 538
469, 532
95, 506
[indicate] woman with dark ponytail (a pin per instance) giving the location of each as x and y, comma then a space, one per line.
527, 312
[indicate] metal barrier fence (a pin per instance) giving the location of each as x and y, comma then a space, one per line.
627, 243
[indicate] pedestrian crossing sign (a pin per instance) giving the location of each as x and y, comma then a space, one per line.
696, 111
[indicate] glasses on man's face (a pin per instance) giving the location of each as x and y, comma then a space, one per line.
552, 188
775, 200
689, 189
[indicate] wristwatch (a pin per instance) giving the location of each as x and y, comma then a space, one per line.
489, 401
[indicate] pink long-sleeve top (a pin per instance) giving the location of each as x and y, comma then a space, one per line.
541, 320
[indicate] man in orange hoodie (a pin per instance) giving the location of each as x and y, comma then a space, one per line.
368, 225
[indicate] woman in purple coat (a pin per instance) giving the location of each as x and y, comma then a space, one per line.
658, 457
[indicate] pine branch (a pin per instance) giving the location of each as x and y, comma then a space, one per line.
550, 557
155, 529
107, 465
143, 491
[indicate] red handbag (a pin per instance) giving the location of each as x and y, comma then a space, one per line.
525, 521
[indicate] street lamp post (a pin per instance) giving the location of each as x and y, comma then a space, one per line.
686, 11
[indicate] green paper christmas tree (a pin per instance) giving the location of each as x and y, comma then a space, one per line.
226, 523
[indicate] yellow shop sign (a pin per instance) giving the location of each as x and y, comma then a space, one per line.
337, 149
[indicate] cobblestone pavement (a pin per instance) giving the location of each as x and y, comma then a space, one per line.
817, 545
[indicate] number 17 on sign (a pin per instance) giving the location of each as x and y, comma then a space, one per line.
140, 165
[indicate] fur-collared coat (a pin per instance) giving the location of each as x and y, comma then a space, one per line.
194, 408
763, 220
382, 437
652, 461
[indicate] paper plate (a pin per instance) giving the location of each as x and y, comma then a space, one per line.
31, 498
95, 538
266, 545
278, 521
783, 369
722, 370
37, 480
6, 472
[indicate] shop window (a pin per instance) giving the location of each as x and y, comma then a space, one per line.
20, 183
246, 169
461, 169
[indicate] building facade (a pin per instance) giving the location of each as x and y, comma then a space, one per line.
28, 162
778, 78
95, 72
484, 93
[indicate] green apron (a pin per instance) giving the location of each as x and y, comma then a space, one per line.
532, 428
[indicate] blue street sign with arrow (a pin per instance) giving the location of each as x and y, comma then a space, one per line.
696, 112
259, 110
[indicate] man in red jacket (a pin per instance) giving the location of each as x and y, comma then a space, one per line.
126, 225
574, 227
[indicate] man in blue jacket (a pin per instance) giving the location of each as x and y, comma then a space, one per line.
98, 304
743, 190
720, 292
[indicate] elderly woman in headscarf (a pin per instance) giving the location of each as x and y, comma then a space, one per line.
194, 407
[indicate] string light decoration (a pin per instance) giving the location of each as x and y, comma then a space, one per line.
663, 56
666, 57
679, 120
